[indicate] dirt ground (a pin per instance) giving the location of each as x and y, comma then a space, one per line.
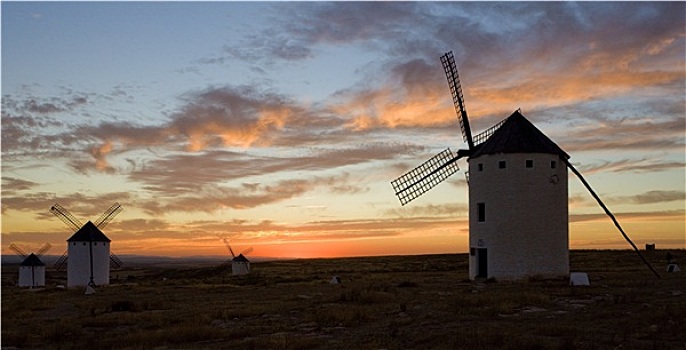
397, 302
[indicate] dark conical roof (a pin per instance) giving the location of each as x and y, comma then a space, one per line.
89, 233
518, 135
240, 259
32, 260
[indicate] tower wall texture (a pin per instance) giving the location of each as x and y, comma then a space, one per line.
29, 278
78, 265
524, 227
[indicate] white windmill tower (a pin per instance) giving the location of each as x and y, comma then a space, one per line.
31, 269
518, 196
240, 265
88, 257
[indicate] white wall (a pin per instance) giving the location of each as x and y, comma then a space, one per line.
78, 265
26, 280
526, 229
240, 268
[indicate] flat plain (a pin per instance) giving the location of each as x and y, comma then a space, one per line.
391, 302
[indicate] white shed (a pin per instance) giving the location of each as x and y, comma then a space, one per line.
32, 272
89, 256
518, 211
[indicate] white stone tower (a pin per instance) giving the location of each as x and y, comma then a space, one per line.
89, 256
518, 211
32, 272
240, 265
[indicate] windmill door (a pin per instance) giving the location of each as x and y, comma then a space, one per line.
481, 263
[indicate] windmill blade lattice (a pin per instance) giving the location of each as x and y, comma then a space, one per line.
66, 217
44, 249
450, 67
226, 242
18, 250
247, 251
115, 262
424, 177
61, 262
107, 216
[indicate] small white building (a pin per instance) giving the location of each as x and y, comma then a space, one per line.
240, 265
89, 255
518, 210
32, 272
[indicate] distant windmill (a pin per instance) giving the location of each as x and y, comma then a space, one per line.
240, 265
88, 257
518, 205
31, 269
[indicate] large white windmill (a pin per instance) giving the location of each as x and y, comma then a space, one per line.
517, 178
240, 265
31, 269
88, 257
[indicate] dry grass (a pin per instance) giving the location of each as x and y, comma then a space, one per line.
402, 302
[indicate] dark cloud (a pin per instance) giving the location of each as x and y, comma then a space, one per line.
11, 185
431, 210
674, 215
642, 165
652, 197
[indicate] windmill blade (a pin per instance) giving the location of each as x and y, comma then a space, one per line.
115, 262
448, 61
247, 251
44, 249
66, 217
229, 246
607, 211
486, 134
107, 216
424, 177
18, 250
61, 262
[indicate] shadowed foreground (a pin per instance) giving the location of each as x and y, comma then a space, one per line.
395, 302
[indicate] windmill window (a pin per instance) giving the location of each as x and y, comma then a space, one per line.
529, 163
502, 164
481, 212
480, 166
95, 243
84, 243
553, 164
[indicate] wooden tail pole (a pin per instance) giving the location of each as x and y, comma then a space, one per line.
607, 211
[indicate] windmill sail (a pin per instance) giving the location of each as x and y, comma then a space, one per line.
107, 216
66, 217
424, 177
450, 68
115, 262
61, 262
18, 250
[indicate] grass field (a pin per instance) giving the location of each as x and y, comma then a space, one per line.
398, 302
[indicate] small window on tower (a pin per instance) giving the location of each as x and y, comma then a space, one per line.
529, 163
480, 166
502, 164
553, 164
84, 243
481, 212
95, 243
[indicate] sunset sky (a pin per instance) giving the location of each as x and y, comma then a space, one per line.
279, 126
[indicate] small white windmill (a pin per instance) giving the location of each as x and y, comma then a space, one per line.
240, 265
31, 269
88, 257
